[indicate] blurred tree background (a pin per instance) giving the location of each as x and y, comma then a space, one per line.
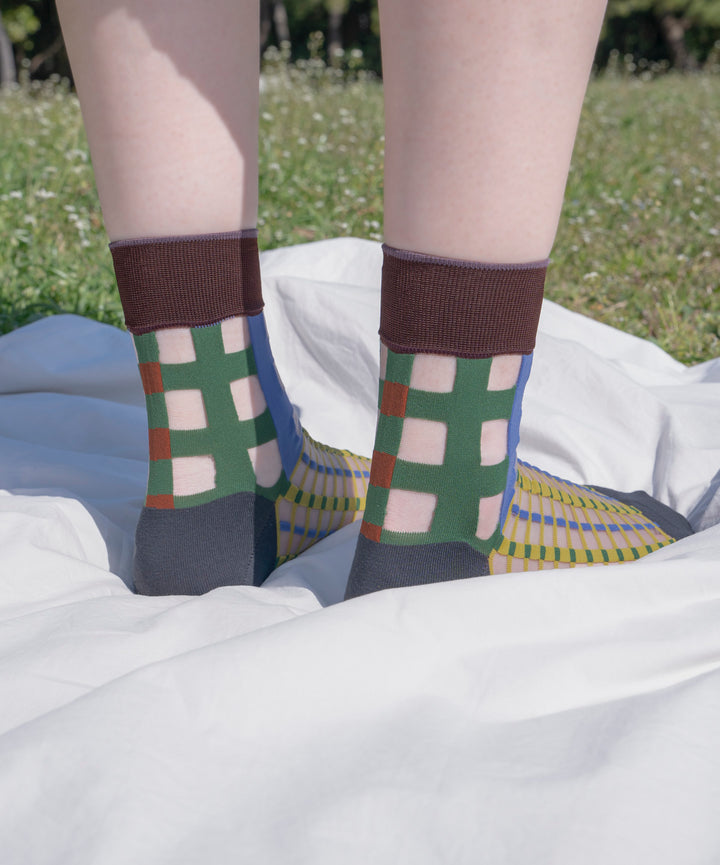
682, 34
30, 38
646, 34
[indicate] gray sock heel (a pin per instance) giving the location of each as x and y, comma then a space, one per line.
189, 551
381, 566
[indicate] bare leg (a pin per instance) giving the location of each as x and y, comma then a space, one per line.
169, 95
482, 101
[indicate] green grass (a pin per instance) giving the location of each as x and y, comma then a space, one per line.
639, 239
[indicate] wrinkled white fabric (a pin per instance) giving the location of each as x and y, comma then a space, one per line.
563, 717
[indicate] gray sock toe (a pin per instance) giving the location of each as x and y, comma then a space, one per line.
671, 522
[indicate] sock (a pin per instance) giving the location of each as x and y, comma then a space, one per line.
235, 485
448, 497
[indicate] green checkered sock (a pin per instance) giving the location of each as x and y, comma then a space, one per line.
235, 485
448, 498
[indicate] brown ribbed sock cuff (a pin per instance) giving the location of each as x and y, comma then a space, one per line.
436, 305
187, 281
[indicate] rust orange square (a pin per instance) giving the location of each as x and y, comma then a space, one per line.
159, 444
394, 399
370, 531
151, 377
163, 502
381, 469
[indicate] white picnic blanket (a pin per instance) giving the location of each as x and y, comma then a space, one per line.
563, 717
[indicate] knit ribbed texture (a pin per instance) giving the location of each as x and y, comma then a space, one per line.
434, 305
187, 281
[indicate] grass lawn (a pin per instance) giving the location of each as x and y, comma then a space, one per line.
639, 239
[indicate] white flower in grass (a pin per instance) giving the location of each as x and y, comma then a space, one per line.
44, 194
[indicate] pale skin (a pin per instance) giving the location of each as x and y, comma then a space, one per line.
169, 96
482, 100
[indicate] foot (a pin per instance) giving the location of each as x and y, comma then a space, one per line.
448, 499
236, 486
